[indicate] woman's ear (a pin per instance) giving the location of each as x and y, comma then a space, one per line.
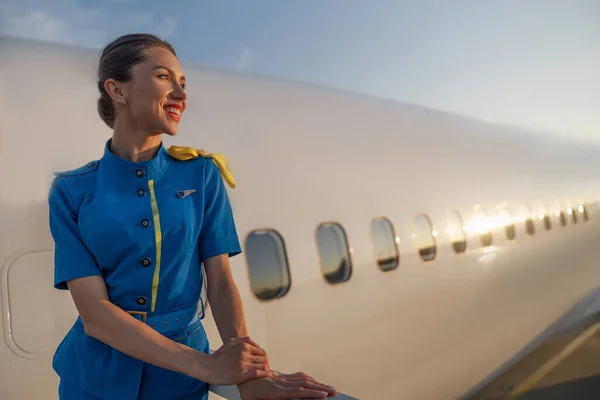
114, 90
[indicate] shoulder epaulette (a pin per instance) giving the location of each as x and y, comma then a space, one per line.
85, 169
189, 153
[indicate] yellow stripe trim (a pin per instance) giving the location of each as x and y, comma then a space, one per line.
158, 239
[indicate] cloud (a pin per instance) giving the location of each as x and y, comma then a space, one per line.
37, 25
65, 22
146, 21
72, 22
245, 58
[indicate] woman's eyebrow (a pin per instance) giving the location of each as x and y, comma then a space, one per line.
168, 69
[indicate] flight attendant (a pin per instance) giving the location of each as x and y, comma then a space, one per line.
131, 232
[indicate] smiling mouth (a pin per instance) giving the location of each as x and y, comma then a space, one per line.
173, 112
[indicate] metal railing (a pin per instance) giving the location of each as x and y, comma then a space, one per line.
232, 393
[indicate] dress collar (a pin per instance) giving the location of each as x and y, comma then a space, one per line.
130, 170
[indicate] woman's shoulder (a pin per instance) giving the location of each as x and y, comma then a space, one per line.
86, 169
214, 161
68, 187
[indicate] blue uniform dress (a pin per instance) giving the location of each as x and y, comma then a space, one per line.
146, 228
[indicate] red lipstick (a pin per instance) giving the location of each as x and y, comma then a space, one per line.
176, 117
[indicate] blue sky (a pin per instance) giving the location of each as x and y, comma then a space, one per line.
533, 63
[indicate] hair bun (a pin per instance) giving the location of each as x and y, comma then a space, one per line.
106, 109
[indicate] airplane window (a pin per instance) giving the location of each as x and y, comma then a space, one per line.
482, 225
527, 217
511, 232
334, 253
584, 213
547, 222
529, 226
424, 237
573, 215
384, 244
507, 220
562, 218
455, 231
267, 264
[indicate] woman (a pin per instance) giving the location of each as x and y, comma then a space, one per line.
131, 231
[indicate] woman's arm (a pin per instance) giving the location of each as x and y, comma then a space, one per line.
224, 299
227, 310
110, 324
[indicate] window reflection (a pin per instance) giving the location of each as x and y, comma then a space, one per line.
267, 264
384, 244
584, 213
547, 222
562, 218
508, 221
423, 237
527, 218
333, 253
483, 223
454, 229
573, 215
529, 226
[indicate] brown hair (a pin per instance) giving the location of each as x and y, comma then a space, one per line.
116, 61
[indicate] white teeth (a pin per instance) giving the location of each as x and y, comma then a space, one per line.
173, 110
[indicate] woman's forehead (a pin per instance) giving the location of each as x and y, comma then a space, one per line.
159, 57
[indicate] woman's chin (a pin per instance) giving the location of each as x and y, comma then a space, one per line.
170, 129
169, 126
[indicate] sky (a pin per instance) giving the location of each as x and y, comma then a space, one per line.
528, 63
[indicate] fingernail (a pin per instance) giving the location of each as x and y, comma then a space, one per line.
331, 389
324, 394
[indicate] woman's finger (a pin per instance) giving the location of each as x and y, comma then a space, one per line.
301, 379
299, 375
253, 367
303, 393
314, 385
307, 385
257, 360
257, 351
254, 374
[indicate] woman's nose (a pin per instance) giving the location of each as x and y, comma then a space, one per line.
179, 93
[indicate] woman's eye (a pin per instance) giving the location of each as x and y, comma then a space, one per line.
165, 76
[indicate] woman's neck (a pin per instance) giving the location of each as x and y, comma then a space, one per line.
134, 145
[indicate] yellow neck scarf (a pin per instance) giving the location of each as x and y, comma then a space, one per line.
188, 153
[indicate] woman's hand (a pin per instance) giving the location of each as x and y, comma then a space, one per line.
235, 362
285, 386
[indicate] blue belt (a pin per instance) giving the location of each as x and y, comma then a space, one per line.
171, 320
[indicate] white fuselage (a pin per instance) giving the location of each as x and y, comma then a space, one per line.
303, 155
